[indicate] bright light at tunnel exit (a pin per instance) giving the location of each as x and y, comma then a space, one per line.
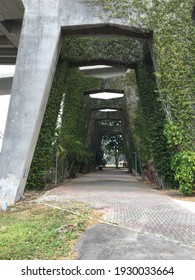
106, 95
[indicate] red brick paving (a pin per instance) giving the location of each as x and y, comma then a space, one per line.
130, 204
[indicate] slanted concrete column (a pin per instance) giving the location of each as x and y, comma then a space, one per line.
35, 67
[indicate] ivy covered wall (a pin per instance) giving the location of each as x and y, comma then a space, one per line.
164, 120
44, 148
173, 52
118, 50
151, 117
75, 114
174, 46
68, 85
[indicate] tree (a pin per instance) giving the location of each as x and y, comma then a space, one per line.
72, 153
114, 146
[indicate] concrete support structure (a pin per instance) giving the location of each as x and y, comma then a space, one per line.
103, 104
43, 24
11, 14
5, 85
105, 73
104, 130
96, 116
37, 57
96, 131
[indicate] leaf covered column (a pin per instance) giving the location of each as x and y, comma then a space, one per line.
43, 151
152, 115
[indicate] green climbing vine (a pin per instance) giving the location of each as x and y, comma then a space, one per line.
44, 148
75, 115
75, 156
154, 117
183, 163
173, 51
68, 85
123, 50
175, 48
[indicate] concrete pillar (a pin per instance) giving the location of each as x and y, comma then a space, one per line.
35, 67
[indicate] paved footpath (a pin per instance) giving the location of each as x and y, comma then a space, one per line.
138, 221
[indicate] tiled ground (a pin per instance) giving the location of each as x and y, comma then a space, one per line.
130, 204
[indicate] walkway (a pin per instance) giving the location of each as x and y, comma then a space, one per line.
138, 216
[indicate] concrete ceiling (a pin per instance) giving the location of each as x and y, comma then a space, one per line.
11, 14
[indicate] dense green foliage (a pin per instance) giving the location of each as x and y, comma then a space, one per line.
75, 114
114, 146
173, 51
44, 148
68, 85
74, 156
152, 116
121, 51
175, 48
183, 163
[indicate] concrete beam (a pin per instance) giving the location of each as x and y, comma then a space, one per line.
103, 104
7, 60
108, 29
97, 115
105, 73
8, 52
108, 130
11, 37
11, 14
5, 43
93, 91
102, 61
11, 9
5, 85
13, 26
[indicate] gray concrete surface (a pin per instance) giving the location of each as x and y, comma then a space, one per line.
107, 242
138, 222
105, 73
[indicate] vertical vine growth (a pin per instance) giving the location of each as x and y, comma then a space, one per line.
173, 50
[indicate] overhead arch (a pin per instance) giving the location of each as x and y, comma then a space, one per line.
107, 29
44, 25
101, 61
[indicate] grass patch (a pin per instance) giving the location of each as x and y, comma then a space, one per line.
42, 232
